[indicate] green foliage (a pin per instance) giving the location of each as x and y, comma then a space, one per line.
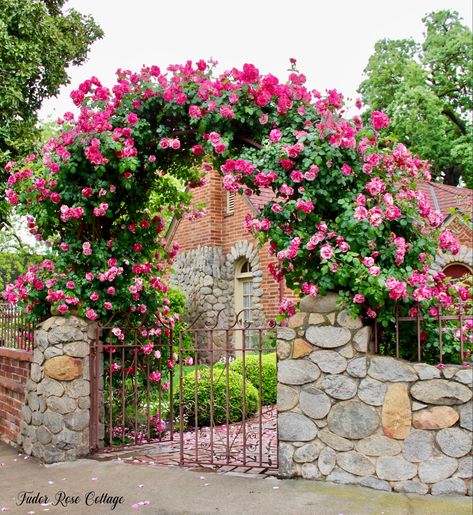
427, 90
252, 373
235, 397
12, 265
38, 43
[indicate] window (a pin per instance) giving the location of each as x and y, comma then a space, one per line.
244, 299
456, 270
230, 202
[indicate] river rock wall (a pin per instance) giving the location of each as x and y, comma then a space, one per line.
352, 417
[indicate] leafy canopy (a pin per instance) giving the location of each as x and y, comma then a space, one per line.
427, 90
38, 42
345, 214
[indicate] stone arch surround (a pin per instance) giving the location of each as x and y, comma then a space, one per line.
464, 257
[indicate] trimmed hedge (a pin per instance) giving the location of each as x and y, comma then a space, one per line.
235, 393
268, 374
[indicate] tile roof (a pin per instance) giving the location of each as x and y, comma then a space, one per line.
441, 197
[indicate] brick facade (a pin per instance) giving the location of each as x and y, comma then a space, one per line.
14, 371
221, 230
221, 233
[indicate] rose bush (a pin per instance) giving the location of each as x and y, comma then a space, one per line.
345, 215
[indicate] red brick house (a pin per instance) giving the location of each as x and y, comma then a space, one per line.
220, 267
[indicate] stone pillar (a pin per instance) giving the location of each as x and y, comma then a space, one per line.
351, 417
55, 425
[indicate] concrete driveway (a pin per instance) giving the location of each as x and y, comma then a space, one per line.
89, 486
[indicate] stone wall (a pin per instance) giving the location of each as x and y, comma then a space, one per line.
207, 276
55, 416
351, 417
14, 371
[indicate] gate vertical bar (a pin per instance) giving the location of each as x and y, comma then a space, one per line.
181, 408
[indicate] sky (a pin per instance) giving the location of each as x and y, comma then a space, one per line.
332, 40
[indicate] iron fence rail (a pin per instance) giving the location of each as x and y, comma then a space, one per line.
433, 327
176, 389
15, 331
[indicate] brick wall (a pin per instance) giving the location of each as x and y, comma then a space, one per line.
222, 230
14, 371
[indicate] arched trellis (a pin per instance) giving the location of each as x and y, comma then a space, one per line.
101, 191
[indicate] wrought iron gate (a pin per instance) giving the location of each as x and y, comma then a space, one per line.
206, 394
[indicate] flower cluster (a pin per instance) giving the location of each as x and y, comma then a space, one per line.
345, 214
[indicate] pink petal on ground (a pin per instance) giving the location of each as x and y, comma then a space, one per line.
94, 478
4, 509
135, 506
141, 486
50, 482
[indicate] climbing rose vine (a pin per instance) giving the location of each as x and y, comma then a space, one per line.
345, 212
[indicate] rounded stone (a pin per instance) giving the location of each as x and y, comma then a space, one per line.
314, 402
339, 386
438, 417
418, 446
358, 367
453, 486
353, 419
334, 441
50, 387
329, 361
286, 464
436, 469
306, 453
294, 427
285, 333
53, 421
375, 483
344, 319
465, 467
327, 460
78, 420
454, 442
320, 304
411, 487
342, 477
441, 391
371, 391
43, 435
287, 397
378, 445
63, 368
389, 369
466, 416
327, 337
283, 349
465, 376
297, 371
396, 413
310, 471
300, 348
78, 349
395, 468
64, 334
361, 339
355, 463
425, 371
61, 404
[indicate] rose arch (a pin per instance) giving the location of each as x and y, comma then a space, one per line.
345, 213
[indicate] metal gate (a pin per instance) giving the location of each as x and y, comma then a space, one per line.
203, 395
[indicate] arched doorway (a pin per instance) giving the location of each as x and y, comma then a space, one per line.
456, 270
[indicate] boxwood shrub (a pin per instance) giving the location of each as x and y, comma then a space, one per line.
235, 395
268, 374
